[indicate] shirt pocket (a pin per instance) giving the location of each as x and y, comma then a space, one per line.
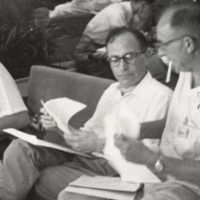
187, 142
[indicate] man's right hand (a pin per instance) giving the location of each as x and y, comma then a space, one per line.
47, 121
145, 19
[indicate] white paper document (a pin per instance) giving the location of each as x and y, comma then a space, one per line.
125, 122
35, 141
62, 109
105, 194
106, 182
104, 187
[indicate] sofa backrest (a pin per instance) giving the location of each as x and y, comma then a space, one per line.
47, 83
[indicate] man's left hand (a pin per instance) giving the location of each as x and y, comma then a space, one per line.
135, 151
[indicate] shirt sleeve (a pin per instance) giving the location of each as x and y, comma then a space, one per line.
110, 17
159, 106
10, 99
96, 123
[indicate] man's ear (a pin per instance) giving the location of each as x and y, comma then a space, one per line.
189, 44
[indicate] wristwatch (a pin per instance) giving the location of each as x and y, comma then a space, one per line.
159, 166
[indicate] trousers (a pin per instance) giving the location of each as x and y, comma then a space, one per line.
34, 172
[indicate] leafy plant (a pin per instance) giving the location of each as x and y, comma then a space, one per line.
23, 44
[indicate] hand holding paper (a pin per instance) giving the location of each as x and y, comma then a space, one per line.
47, 121
135, 151
126, 125
61, 110
83, 141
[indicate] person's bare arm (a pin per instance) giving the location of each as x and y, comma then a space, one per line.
18, 121
135, 151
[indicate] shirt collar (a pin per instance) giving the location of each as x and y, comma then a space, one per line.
188, 82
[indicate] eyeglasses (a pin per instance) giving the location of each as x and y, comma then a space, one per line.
163, 45
129, 58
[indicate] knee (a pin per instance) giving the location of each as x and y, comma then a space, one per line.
17, 147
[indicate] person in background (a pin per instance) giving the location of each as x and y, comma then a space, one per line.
13, 112
134, 14
77, 7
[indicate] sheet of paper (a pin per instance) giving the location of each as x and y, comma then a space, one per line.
106, 194
106, 183
62, 109
35, 141
124, 122
102, 50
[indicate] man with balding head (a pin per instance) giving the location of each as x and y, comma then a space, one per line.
178, 162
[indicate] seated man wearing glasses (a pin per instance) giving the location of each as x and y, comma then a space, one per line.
146, 98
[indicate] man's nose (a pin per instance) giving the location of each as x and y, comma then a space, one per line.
123, 65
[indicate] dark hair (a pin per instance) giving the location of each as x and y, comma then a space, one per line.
114, 33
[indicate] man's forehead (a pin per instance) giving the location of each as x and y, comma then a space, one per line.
123, 44
126, 39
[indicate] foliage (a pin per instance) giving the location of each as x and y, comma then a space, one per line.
23, 44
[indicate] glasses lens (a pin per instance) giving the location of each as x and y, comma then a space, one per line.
130, 58
114, 61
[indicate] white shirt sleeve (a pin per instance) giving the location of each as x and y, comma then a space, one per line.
159, 106
10, 99
111, 17
95, 123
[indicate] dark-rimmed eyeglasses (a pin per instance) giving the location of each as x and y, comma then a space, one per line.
163, 45
128, 58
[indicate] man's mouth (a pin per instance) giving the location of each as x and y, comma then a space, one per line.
124, 75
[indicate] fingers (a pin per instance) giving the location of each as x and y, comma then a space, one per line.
43, 111
145, 11
119, 141
47, 121
73, 141
74, 131
71, 138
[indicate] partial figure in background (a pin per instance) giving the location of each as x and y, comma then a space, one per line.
134, 14
13, 112
76, 7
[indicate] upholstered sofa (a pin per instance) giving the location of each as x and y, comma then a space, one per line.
47, 83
